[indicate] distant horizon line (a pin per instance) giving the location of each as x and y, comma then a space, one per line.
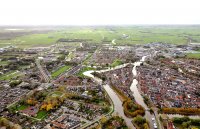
29, 25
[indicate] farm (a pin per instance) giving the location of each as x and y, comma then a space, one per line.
125, 35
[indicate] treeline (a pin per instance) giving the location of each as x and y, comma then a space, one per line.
181, 111
140, 123
8, 124
132, 109
186, 121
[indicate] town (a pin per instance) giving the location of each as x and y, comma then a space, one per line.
73, 84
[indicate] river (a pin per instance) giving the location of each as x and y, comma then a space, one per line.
138, 97
118, 108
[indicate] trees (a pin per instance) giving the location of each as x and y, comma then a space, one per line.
15, 83
103, 119
132, 109
182, 111
140, 122
186, 122
31, 101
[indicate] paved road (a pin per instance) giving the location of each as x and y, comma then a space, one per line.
45, 76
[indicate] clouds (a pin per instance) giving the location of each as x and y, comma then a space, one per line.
103, 12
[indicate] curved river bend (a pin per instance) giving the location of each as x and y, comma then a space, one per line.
118, 108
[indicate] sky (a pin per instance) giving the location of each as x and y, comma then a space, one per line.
99, 12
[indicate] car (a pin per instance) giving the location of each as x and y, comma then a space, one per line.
155, 126
153, 119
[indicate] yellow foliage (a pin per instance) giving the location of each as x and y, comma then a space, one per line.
103, 119
43, 106
31, 101
49, 107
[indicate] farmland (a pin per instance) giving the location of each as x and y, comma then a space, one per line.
122, 35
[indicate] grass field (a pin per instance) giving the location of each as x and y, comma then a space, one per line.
135, 35
193, 55
3, 63
80, 73
60, 71
116, 63
41, 114
10, 75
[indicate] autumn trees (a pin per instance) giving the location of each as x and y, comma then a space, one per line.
140, 122
182, 111
51, 103
132, 109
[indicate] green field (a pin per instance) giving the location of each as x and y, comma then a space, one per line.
116, 63
60, 71
4, 63
10, 75
193, 55
134, 35
80, 73
41, 114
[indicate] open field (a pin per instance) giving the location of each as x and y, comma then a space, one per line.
80, 73
193, 55
41, 114
122, 35
60, 71
10, 75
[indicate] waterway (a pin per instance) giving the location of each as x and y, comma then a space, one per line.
118, 108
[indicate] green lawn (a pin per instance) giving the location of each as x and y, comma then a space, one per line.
85, 62
80, 73
41, 114
193, 55
10, 75
22, 107
60, 71
4, 62
116, 63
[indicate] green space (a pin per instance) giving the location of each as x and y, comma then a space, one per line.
41, 114
55, 94
140, 123
116, 63
111, 123
4, 62
193, 55
10, 75
135, 35
85, 62
186, 123
60, 71
80, 73
22, 107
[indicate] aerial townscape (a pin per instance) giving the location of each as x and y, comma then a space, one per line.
100, 77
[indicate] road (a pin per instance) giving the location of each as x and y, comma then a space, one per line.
45, 76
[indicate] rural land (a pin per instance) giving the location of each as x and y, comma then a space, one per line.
100, 77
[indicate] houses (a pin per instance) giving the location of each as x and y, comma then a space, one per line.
167, 87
